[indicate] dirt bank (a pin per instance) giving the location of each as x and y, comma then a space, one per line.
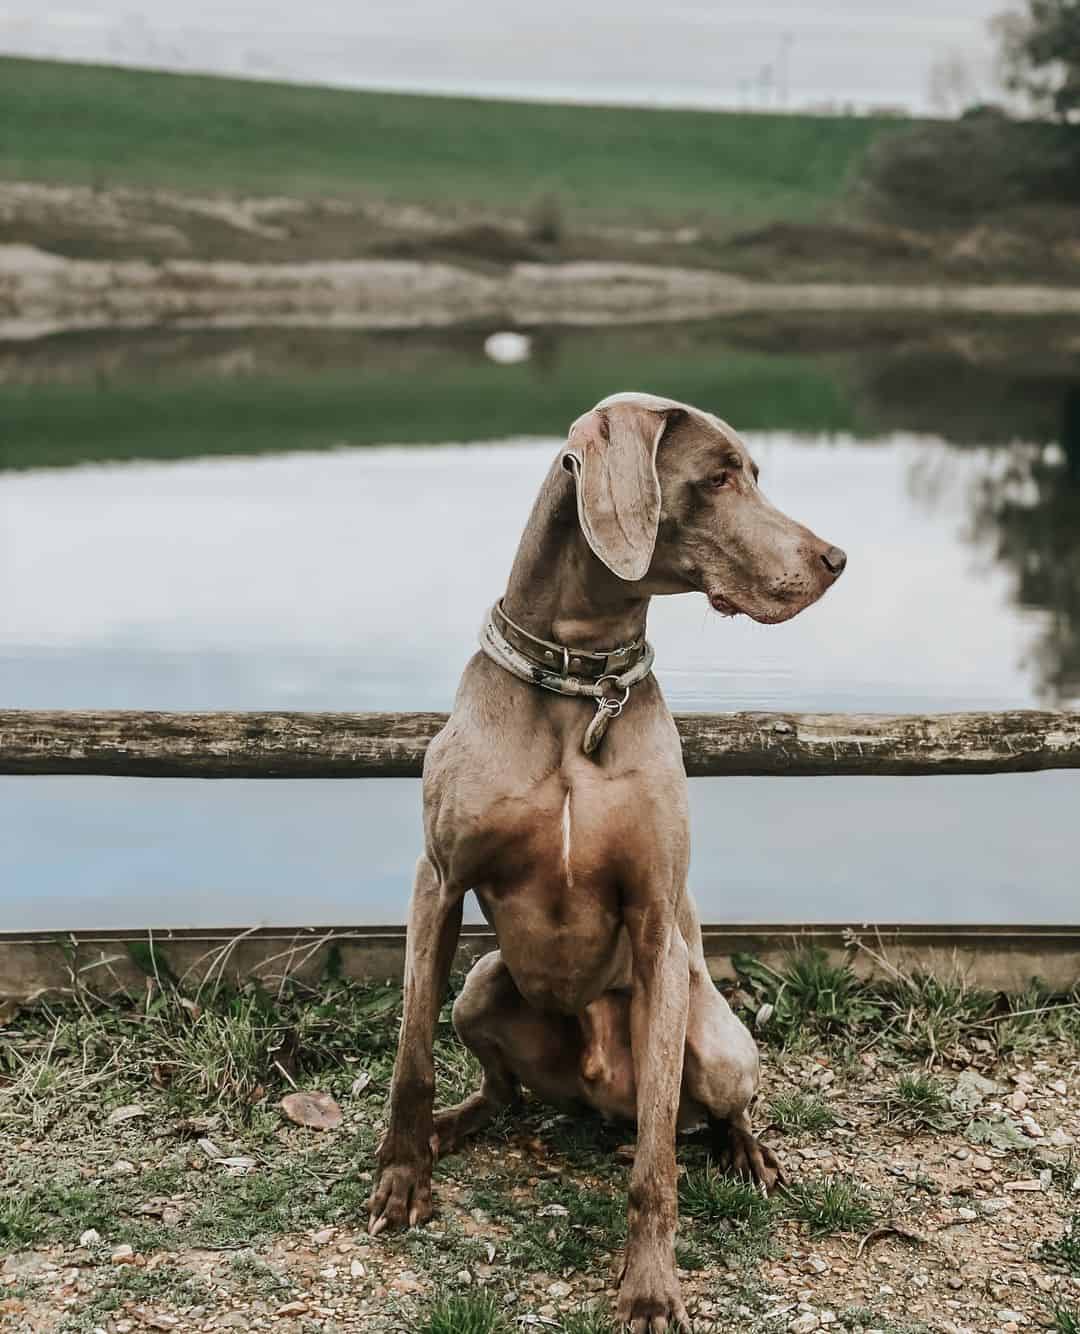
43, 293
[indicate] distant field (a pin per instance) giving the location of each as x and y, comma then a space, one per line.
98, 125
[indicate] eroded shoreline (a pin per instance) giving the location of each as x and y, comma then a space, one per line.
42, 293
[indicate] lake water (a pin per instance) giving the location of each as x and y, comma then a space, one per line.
303, 521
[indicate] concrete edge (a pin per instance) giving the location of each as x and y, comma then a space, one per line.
41, 964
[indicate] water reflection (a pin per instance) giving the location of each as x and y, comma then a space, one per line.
1028, 515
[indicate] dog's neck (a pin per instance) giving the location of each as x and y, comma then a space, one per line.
558, 589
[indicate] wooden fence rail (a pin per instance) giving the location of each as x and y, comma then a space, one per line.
392, 745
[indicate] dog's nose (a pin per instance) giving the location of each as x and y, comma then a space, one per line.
834, 560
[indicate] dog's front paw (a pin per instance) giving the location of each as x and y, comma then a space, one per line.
401, 1198
650, 1301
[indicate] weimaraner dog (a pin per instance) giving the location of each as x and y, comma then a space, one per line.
556, 792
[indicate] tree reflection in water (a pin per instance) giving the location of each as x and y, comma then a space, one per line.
1029, 514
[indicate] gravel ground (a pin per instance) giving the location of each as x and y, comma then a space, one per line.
918, 1201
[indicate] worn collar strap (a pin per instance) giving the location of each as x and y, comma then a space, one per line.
585, 664
610, 690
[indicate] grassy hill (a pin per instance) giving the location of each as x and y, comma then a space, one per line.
104, 126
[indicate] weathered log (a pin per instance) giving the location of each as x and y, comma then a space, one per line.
392, 745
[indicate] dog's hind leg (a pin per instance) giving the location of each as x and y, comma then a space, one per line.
721, 1074
515, 1044
481, 1011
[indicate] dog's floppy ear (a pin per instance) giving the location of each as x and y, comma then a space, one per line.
612, 454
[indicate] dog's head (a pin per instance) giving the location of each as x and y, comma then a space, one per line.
668, 495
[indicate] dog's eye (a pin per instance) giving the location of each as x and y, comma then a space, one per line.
719, 480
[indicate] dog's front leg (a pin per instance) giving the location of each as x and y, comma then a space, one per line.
402, 1195
649, 1297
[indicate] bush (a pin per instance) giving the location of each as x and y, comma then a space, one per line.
969, 170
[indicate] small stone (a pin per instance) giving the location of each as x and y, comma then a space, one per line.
330, 1272
126, 1113
123, 1168
955, 1282
356, 1270
1028, 1184
406, 1281
968, 1215
464, 1277
123, 1255
91, 1237
1018, 1100
1008, 1317
805, 1323
559, 1291
292, 1308
981, 1163
1045, 1283
323, 1236
962, 1155
1059, 1086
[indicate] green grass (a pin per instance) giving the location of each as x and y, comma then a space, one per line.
930, 1016
593, 1320
711, 1198
834, 1204
465, 1313
18, 1221
801, 1111
810, 997
920, 1100
721, 1214
594, 1223
1065, 1251
107, 126
1065, 1319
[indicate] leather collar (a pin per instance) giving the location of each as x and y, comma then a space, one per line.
559, 660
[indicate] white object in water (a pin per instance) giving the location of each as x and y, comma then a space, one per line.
507, 347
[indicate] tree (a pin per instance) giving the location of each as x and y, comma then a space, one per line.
1040, 55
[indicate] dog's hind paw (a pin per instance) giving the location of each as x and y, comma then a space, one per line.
739, 1152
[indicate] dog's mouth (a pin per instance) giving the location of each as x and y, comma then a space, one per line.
724, 605
720, 602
